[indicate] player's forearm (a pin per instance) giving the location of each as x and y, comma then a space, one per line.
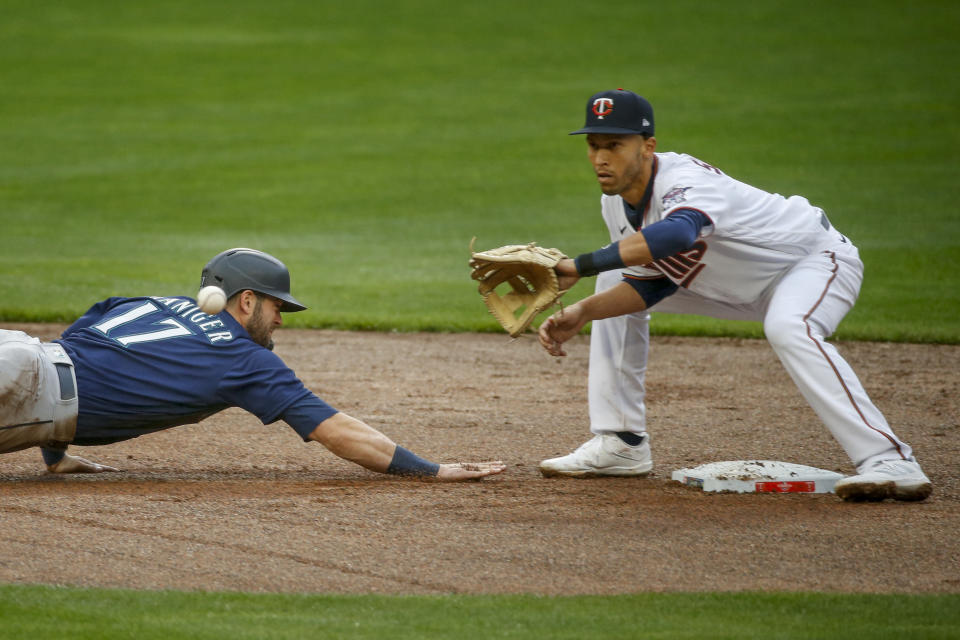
355, 441
616, 301
632, 250
671, 235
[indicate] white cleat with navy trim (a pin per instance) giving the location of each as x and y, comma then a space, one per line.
897, 479
602, 455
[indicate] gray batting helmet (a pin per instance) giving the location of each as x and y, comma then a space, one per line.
239, 269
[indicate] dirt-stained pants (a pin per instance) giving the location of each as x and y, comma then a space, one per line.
38, 394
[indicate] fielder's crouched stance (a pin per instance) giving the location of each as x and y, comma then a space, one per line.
687, 238
132, 366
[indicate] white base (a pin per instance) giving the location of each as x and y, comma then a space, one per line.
758, 476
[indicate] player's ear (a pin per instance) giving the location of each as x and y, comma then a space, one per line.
247, 302
650, 145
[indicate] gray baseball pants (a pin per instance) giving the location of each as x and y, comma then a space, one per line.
38, 394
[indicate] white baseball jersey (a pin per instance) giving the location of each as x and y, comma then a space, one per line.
752, 239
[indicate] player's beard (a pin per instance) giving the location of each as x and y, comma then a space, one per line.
259, 329
631, 175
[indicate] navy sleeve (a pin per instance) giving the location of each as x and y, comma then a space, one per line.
305, 415
263, 385
652, 290
676, 232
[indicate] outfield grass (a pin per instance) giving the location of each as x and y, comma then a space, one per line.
32, 612
365, 143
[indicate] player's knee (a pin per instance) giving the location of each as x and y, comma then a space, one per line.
784, 333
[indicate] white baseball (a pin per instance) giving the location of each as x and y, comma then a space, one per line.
211, 299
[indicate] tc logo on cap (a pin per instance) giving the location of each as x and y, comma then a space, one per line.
602, 107
617, 112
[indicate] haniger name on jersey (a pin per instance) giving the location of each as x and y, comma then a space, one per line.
188, 310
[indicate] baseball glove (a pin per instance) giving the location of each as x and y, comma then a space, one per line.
528, 270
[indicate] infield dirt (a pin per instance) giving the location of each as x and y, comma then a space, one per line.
231, 504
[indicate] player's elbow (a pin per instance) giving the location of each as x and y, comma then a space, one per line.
328, 433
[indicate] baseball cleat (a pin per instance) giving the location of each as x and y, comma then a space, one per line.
897, 479
602, 455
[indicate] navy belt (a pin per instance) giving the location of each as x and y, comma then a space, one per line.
64, 367
68, 391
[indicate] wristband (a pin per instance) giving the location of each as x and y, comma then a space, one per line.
605, 259
52, 456
407, 463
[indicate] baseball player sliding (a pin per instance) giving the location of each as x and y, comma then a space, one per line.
132, 366
687, 238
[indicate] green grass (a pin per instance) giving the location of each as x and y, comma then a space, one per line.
366, 142
33, 611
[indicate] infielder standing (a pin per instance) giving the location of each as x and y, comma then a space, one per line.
687, 238
132, 366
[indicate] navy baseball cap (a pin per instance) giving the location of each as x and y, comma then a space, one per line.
618, 111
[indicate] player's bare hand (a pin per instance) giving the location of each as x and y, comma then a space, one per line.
76, 464
559, 328
460, 471
567, 275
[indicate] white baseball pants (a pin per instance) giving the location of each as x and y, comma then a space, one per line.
798, 314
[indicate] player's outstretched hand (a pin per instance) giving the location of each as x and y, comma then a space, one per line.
459, 471
76, 464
